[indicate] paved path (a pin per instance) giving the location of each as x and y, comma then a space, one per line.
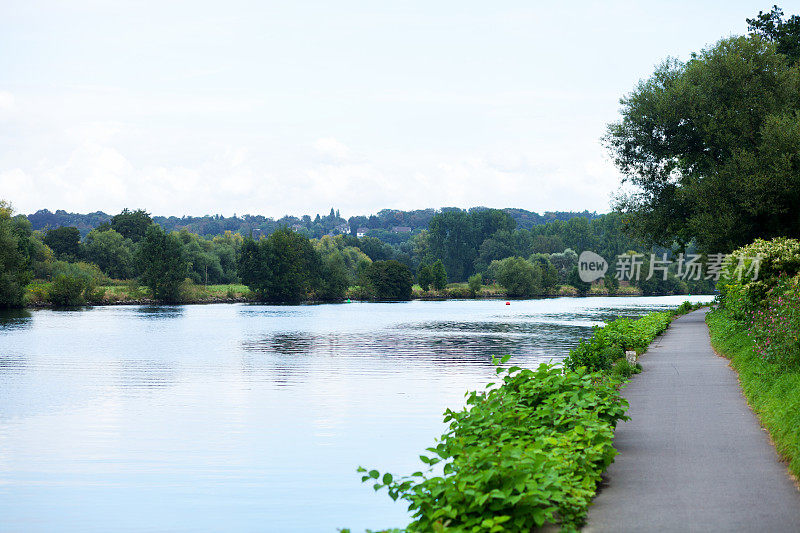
693, 457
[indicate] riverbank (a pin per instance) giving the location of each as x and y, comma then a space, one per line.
531, 451
130, 293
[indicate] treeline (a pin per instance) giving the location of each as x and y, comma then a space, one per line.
286, 266
382, 225
482, 246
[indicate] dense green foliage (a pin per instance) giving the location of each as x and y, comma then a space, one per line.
521, 278
378, 225
455, 237
712, 146
438, 275
425, 277
111, 252
518, 456
284, 267
388, 280
74, 284
785, 34
65, 242
343, 259
163, 264
15, 257
132, 224
475, 283
575, 280
610, 342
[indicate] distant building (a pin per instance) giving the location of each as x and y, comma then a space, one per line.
297, 227
361, 232
342, 229
401, 229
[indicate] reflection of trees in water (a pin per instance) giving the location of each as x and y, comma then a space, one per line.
294, 343
159, 312
412, 345
12, 364
15, 319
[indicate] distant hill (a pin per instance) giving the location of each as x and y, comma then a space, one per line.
387, 224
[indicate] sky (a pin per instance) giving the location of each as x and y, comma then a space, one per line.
273, 108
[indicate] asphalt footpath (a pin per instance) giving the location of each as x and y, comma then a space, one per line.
693, 457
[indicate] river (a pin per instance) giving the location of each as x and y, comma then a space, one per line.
234, 417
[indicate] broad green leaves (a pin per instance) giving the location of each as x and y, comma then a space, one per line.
520, 455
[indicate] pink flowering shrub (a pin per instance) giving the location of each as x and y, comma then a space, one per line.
775, 325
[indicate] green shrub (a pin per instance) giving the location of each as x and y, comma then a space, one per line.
739, 290
388, 280
75, 284
594, 355
459, 290
66, 290
518, 456
475, 282
609, 342
519, 277
623, 369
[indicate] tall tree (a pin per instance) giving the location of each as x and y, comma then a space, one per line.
132, 225
15, 264
712, 148
65, 242
784, 33
389, 280
163, 264
439, 275
111, 252
284, 267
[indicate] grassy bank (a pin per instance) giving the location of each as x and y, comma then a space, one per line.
112, 292
531, 450
772, 392
39, 293
462, 291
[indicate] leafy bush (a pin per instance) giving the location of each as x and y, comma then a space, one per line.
779, 257
518, 456
594, 355
775, 326
66, 290
611, 341
475, 283
388, 280
520, 277
75, 284
459, 290
623, 369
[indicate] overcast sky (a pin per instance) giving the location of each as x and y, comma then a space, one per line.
195, 107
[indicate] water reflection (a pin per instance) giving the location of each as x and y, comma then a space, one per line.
12, 364
159, 312
428, 345
14, 319
229, 417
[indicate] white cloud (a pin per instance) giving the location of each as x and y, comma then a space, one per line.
6, 101
331, 150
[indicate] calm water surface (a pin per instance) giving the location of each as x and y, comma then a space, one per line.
244, 417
